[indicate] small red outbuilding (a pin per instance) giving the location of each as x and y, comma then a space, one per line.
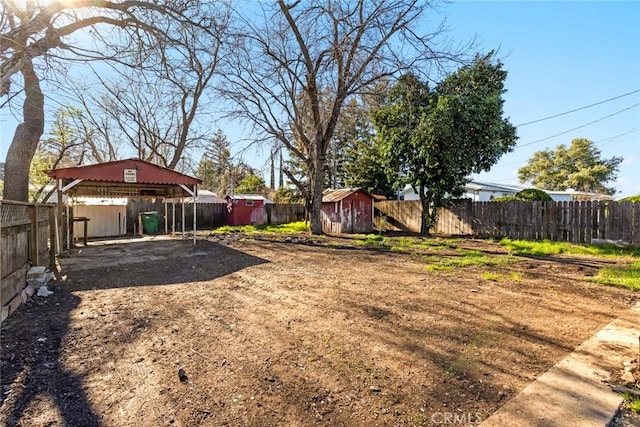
246, 209
348, 210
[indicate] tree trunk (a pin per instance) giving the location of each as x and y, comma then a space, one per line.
26, 138
317, 187
425, 218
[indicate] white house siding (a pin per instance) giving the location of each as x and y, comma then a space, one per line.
487, 192
485, 196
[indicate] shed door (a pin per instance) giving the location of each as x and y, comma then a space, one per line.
347, 216
362, 221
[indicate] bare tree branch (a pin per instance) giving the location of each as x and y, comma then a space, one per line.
291, 74
142, 34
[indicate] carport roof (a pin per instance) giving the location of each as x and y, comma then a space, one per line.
125, 178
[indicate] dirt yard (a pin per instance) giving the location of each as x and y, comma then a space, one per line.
267, 331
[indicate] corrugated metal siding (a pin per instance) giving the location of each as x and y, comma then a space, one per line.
337, 195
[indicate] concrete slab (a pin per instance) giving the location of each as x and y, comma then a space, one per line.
574, 392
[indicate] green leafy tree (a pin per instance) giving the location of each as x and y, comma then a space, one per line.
506, 199
251, 184
437, 138
580, 167
68, 144
354, 157
38, 178
287, 195
361, 162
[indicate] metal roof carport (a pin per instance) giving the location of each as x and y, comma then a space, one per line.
124, 178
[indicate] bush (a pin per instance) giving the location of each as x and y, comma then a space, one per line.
526, 195
506, 199
533, 195
632, 199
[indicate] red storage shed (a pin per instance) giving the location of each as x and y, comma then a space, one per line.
246, 209
348, 210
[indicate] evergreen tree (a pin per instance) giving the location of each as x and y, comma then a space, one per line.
215, 168
361, 162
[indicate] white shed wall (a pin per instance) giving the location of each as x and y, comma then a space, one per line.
105, 220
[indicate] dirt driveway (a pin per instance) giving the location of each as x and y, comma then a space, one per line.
262, 331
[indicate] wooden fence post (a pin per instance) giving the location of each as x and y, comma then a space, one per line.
34, 249
53, 238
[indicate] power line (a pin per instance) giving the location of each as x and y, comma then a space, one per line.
579, 127
578, 109
611, 138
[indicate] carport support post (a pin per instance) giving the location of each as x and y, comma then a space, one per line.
166, 228
173, 218
183, 218
68, 224
61, 220
195, 196
53, 238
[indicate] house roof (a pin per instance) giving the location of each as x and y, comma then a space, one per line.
124, 178
207, 197
250, 197
489, 186
331, 195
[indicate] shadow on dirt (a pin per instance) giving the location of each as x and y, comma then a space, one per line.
152, 263
34, 377
32, 371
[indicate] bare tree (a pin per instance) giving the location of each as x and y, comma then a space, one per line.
128, 32
303, 51
156, 111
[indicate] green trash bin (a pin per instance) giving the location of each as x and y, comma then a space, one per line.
149, 222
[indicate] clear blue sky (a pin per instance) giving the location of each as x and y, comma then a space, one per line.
560, 56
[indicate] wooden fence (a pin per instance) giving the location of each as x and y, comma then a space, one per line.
283, 213
208, 215
398, 215
28, 238
576, 222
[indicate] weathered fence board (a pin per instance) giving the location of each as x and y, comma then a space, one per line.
283, 213
576, 222
26, 239
400, 216
636, 224
208, 215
